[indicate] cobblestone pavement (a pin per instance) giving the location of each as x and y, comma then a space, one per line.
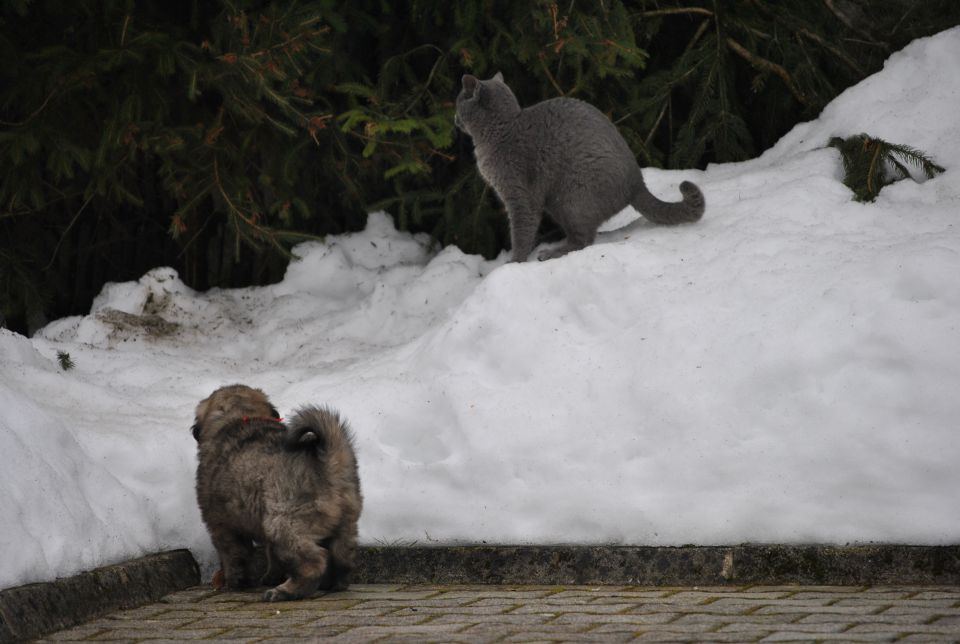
545, 613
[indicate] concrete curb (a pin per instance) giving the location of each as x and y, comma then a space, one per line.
27, 612
662, 566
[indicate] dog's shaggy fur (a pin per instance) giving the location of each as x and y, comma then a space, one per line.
293, 488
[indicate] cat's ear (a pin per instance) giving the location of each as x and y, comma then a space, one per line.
471, 85
499, 77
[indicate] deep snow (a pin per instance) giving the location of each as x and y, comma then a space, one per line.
786, 370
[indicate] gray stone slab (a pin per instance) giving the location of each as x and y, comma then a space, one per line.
661, 566
27, 612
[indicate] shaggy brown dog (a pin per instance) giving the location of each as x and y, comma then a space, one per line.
293, 488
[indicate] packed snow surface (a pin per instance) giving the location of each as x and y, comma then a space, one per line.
785, 370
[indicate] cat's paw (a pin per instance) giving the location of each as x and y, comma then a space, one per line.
553, 253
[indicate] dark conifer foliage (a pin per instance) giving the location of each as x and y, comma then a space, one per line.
211, 135
135, 135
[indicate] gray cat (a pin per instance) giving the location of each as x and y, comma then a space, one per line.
563, 157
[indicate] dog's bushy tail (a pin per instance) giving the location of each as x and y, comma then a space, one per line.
321, 430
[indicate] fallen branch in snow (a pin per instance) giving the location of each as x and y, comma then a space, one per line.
870, 163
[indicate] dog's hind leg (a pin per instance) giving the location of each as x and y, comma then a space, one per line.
343, 552
235, 552
307, 561
274, 573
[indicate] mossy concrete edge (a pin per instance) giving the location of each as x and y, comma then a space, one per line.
28, 612
662, 566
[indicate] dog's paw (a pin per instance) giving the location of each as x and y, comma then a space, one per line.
277, 595
271, 578
237, 583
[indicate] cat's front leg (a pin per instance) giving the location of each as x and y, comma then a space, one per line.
524, 223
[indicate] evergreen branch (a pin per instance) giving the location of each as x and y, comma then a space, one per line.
833, 50
35, 113
874, 168
200, 194
223, 193
851, 23
274, 240
865, 162
190, 242
546, 70
762, 63
15, 210
917, 158
698, 34
65, 361
263, 232
294, 235
656, 124
123, 32
399, 144
901, 170
303, 36
678, 11
63, 236
426, 83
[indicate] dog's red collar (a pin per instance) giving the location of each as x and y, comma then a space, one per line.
247, 419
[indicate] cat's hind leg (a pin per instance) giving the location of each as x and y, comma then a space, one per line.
561, 250
577, 238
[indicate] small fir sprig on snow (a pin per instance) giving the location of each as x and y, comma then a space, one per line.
870, 163
66, 362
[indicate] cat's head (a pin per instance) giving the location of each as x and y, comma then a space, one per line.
484, 103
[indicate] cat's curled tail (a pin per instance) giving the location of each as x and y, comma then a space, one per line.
664, 212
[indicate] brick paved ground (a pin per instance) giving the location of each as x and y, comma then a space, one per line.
546, 613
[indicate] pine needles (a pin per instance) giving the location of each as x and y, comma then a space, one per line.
870, 163
65, 361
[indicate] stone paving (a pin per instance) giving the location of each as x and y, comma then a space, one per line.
448, 613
